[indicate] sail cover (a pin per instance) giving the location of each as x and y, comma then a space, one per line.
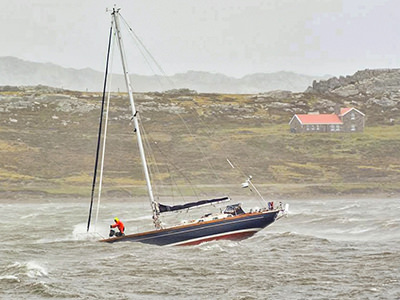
165, 208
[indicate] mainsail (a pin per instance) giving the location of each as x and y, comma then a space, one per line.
165, 208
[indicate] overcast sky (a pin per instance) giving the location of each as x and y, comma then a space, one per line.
233, 37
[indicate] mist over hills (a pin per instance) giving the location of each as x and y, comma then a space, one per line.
17, 72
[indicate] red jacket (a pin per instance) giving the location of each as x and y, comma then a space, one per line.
120, 226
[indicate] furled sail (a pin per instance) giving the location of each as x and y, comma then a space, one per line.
165, 208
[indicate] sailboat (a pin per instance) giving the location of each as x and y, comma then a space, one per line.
232, 223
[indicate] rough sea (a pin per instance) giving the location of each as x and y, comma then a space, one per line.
324, 249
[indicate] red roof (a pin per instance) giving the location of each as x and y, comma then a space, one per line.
318, 119
345, 110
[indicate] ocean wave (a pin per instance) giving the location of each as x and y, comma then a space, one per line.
292, 237
35, 270
30, 269
345, 207
10, 278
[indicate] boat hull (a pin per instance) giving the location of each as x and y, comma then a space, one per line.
232, 228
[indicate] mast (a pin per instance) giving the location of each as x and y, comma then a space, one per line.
156, 221
100, 127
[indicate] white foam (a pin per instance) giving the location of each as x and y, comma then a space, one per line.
35, 270
80, 232
31, 269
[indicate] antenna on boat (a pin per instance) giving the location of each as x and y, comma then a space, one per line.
115, 15
248, 182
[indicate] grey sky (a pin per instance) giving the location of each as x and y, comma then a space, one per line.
234, 37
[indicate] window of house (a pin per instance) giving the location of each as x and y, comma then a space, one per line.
352, 116
312, 127
317, 127
307, 127
337, 127
332, 127
353, 127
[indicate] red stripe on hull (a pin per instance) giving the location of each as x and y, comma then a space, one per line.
233, 236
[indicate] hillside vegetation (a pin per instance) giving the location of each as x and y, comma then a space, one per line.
48, 140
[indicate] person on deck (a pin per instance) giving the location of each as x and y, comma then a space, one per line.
120, 227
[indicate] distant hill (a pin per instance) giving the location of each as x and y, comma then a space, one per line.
48, 138
16, 72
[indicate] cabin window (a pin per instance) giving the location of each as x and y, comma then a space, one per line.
234, 210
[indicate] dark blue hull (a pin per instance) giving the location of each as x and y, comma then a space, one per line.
237, 227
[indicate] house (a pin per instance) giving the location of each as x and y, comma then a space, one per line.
347, 119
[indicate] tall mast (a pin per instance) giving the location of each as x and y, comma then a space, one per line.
156, 221
100, 127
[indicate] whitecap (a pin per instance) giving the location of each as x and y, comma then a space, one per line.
35, 270
80, 232
33, 215
31, 269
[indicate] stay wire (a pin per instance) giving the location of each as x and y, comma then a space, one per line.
153, 167
146, 53
142, 46
188, 180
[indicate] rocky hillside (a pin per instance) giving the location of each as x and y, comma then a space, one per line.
15, 72
48, 141
379, 86
376, 91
